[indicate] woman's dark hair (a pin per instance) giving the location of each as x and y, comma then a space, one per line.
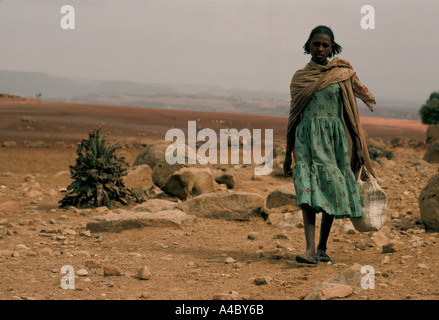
336, 48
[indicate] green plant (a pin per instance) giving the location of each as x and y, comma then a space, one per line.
429, 112
97, 175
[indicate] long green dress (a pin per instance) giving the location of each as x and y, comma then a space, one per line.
323, 177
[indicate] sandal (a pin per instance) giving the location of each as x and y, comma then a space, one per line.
301, 258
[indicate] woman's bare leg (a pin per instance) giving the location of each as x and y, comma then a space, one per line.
325, 229
309, 222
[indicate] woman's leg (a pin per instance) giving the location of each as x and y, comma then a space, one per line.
325, 229
309, 221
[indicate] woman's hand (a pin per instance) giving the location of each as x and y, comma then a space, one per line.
287, 165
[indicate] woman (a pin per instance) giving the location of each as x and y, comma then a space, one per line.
326, 139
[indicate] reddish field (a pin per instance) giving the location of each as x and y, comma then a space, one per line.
64, 121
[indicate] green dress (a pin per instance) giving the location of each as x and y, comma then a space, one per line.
323, 177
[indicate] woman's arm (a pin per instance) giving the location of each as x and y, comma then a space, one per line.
290, 149
359, 159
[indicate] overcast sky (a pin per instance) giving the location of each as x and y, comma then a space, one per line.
244, 44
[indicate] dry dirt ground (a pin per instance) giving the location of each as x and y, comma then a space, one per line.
190, 262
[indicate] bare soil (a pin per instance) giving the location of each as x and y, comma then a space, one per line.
190, 262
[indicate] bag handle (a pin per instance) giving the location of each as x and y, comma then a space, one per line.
368, 174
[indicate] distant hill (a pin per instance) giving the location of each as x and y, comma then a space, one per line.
172, 96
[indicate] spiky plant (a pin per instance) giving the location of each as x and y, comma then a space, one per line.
97, 175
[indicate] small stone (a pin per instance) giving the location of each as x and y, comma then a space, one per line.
82, 254
385, 260
70, 232
46, 252
144, 273
281, 236
93, 264
111, 270
389, 248
82, 273
21, 247
230, 260
262, 281
135, 254
252, 235
86, 233
423, 266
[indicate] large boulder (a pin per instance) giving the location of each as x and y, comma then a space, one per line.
429, 204
228, 205
432, 154
139, 176
282, 196
189, 182
152, 154
163, 170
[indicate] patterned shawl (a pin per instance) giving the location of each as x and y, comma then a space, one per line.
314, 77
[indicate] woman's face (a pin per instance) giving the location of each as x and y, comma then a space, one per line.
320, 48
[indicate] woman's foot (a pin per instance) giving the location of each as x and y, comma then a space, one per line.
303, 258
322, 256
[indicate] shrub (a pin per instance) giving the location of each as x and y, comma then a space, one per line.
97, 175
430, 110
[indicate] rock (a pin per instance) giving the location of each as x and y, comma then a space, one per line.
334, 290
423, 266
227, 177
139, 175
252, 235
144, 273
432, 153
389, 248
262, 281
429, 204
230, 260
152, 154
284, 195
378, 239
45, 252
163, 170
82, 273
12, 207
9, 144
232, 295
93, 264
385, 260
111, 271
231, 205
360, 244
82, 254
6, 253
85, 233
340, 286
127, 220
21, 247
432, 133
188, 182
155, 205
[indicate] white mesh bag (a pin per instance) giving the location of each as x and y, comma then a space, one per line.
373, 203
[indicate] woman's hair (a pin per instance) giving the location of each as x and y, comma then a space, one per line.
336, 48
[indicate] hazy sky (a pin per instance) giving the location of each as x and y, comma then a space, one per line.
244, 44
